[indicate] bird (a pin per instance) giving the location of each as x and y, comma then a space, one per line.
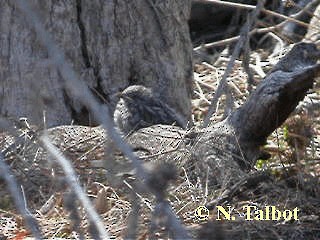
138, 107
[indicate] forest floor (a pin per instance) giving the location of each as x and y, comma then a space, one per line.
295, 155
292, 179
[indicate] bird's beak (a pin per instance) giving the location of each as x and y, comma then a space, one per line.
122, 96
118, 94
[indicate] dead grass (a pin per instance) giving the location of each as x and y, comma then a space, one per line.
294, 180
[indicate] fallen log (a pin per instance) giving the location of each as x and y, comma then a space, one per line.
220, 149
222, 153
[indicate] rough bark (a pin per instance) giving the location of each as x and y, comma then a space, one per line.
222, 152
111, 44
236, 141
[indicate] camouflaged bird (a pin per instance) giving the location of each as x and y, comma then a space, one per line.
139, 108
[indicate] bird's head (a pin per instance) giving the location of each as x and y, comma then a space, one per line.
136, 92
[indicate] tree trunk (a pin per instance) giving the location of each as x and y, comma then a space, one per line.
111, 45
222, 152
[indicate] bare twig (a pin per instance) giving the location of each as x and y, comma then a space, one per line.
236, 38
17, 196
80, 91
73, 183
274, 28
235, 54
246, 59
132, 227
252, 7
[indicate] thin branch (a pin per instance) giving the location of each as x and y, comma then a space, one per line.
274, 28
236, 38
252, 7
73, 183
235, 54
80, 91
12, 185
77, 88
306, 9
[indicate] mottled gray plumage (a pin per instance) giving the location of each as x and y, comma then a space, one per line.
139, 108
